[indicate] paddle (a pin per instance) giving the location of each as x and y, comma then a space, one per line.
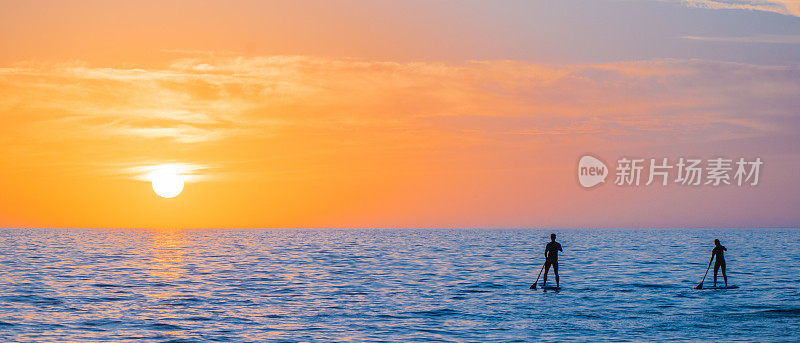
533, 286
700, 285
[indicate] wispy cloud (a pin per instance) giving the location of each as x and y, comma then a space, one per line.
288, 107
764, 39
787, 7
189, 172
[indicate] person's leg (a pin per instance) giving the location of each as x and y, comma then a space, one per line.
716, 268
555, 271
724, 275
546, 270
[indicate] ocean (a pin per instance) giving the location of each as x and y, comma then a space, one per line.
398, 285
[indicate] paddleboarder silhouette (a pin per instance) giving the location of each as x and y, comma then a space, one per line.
551, 258
719, 252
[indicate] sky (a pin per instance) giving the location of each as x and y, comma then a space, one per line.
393, 113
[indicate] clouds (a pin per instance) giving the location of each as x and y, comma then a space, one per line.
787, 7
298, 116
426, 140
189, 172
764, 39
200, 100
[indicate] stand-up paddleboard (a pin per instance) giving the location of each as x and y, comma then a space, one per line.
546, 288
720, 287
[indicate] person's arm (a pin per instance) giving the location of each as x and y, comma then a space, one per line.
713, 253
545, 252
724, 248
559, 248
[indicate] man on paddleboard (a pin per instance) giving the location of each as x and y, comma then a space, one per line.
551, 258
718, 251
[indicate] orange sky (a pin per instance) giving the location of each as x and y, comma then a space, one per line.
281, 127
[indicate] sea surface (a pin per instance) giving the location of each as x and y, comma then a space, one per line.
414, 285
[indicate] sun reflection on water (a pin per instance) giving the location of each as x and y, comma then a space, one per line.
167, 254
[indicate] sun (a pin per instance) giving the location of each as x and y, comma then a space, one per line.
167, 181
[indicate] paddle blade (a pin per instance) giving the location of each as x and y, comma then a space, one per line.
699, 286
533, 286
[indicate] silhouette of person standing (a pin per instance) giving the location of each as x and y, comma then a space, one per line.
719, 252
551, 258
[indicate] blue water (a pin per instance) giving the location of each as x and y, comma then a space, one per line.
393, 285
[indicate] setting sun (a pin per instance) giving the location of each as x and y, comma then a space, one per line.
167, 181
